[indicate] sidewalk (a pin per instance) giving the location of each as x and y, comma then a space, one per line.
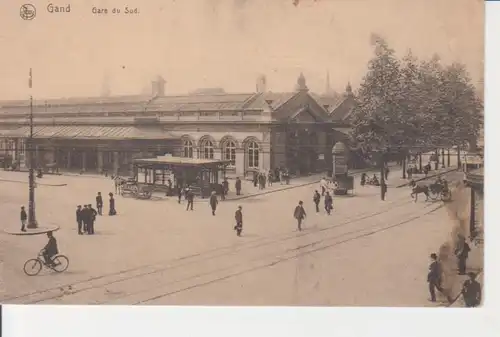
23, 178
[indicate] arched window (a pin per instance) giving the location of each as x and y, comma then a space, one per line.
207, 149
253, 155
229, 151
187, 148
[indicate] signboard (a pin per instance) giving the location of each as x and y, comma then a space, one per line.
339, 164
321, 156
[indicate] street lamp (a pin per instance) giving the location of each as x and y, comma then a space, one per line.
32, 223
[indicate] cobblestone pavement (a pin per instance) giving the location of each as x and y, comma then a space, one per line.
369, 252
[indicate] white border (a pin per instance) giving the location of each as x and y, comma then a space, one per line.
84, 321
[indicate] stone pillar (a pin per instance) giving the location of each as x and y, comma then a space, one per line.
116, 162
68, 162
265, 157
84, 161
99, 161
240, 162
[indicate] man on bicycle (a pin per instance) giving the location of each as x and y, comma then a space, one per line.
50, 249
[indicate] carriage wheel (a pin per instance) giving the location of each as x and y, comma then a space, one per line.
446, 196
433, 195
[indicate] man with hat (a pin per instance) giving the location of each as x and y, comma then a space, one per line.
299, 213
213, 202
238, 216
24, 217
471, 290
189, 198
79, 219
434, 277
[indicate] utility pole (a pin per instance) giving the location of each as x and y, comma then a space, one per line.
383, 186
32, 223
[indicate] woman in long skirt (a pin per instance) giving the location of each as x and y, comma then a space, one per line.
112, 210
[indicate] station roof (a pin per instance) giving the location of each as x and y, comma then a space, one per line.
87, 132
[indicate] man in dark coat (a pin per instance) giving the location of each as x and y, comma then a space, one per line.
189, 198
225, 189
92, 215
317, 199
299, 213
213, 202
79, 219
99, 203
434, 278
50, 249
328, 203
24, 218
238, 216
462, 253
471, 291
85, 217
237, 186
179, 193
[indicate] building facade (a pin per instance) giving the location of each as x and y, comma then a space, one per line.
258, 131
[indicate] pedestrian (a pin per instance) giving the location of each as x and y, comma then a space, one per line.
270, 178
462, 253
316, 199
99, 203
322, 184
328, 203
24, 218
299, 213
363, 179
225, 189
238, 216
213, 202
189, 198
383, 187
255, 179
434, 278
112, 209
179, 193
85, 218
79, 220
92, 217
237, 186
471, 291
386, 172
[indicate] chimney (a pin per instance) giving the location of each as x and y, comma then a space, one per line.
158, 87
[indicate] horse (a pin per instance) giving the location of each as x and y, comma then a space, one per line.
119, 182
417, 189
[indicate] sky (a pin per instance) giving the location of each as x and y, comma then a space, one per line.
224, 43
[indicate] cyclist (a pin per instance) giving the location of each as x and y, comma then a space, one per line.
50, 249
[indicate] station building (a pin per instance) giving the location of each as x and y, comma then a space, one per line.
257, 131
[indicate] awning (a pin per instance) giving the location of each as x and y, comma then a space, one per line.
88, 132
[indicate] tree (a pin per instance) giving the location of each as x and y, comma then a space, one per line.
376, 104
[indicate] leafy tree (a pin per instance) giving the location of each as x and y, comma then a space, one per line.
376, 104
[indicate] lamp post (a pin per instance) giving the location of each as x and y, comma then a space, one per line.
32, 223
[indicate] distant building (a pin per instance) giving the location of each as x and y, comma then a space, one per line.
255, 131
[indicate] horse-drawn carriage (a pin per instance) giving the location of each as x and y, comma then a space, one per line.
130, 187
439, 189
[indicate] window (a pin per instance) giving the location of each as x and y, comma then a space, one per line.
207, 149
229, 152
187, 146
253, 155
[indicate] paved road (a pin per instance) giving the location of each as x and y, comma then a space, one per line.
369, 252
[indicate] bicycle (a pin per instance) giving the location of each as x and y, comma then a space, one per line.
33, 266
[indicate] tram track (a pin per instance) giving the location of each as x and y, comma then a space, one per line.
287, 256
158, 275
111, 278
183, 261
